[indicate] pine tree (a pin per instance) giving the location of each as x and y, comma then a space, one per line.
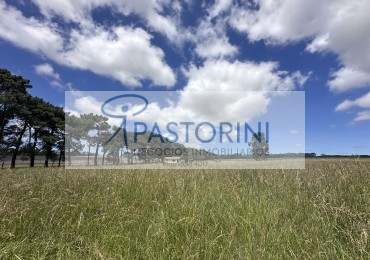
259, 146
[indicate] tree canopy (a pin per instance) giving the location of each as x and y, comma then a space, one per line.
27, 124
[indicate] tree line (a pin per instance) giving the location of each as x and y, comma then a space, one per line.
90, 135
28, 125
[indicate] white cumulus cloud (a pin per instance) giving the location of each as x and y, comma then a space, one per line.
338, 26
80, 11
211, 40
363, 102
29, 33
347, 78
46, 70
121, 52
362, 116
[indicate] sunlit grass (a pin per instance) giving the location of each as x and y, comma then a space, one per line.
321, 212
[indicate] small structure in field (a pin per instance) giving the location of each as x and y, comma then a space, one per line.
171, 160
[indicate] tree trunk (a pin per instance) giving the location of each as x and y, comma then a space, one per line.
48, 150
61, 147
69, 156
104, 152
3, 123
48, 153
2, 128
29, 137
17, 145
60, 158
88, 156
118, 159
96, 154
32, 151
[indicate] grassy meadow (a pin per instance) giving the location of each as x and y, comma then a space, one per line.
322, 212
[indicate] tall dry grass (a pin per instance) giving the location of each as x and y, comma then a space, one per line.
322, 212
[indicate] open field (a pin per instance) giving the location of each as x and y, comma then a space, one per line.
322, 212
232, 164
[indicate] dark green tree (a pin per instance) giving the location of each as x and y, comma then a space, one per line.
74, 133
52, 132
259, 146
12, 91
101, 129
22, 120
37, 126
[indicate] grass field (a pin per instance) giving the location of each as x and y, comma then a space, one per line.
322, 212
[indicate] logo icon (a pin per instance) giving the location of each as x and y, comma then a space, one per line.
125, 111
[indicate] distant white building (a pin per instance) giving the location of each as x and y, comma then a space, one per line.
171, 160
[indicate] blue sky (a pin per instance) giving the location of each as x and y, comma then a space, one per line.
321, 48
